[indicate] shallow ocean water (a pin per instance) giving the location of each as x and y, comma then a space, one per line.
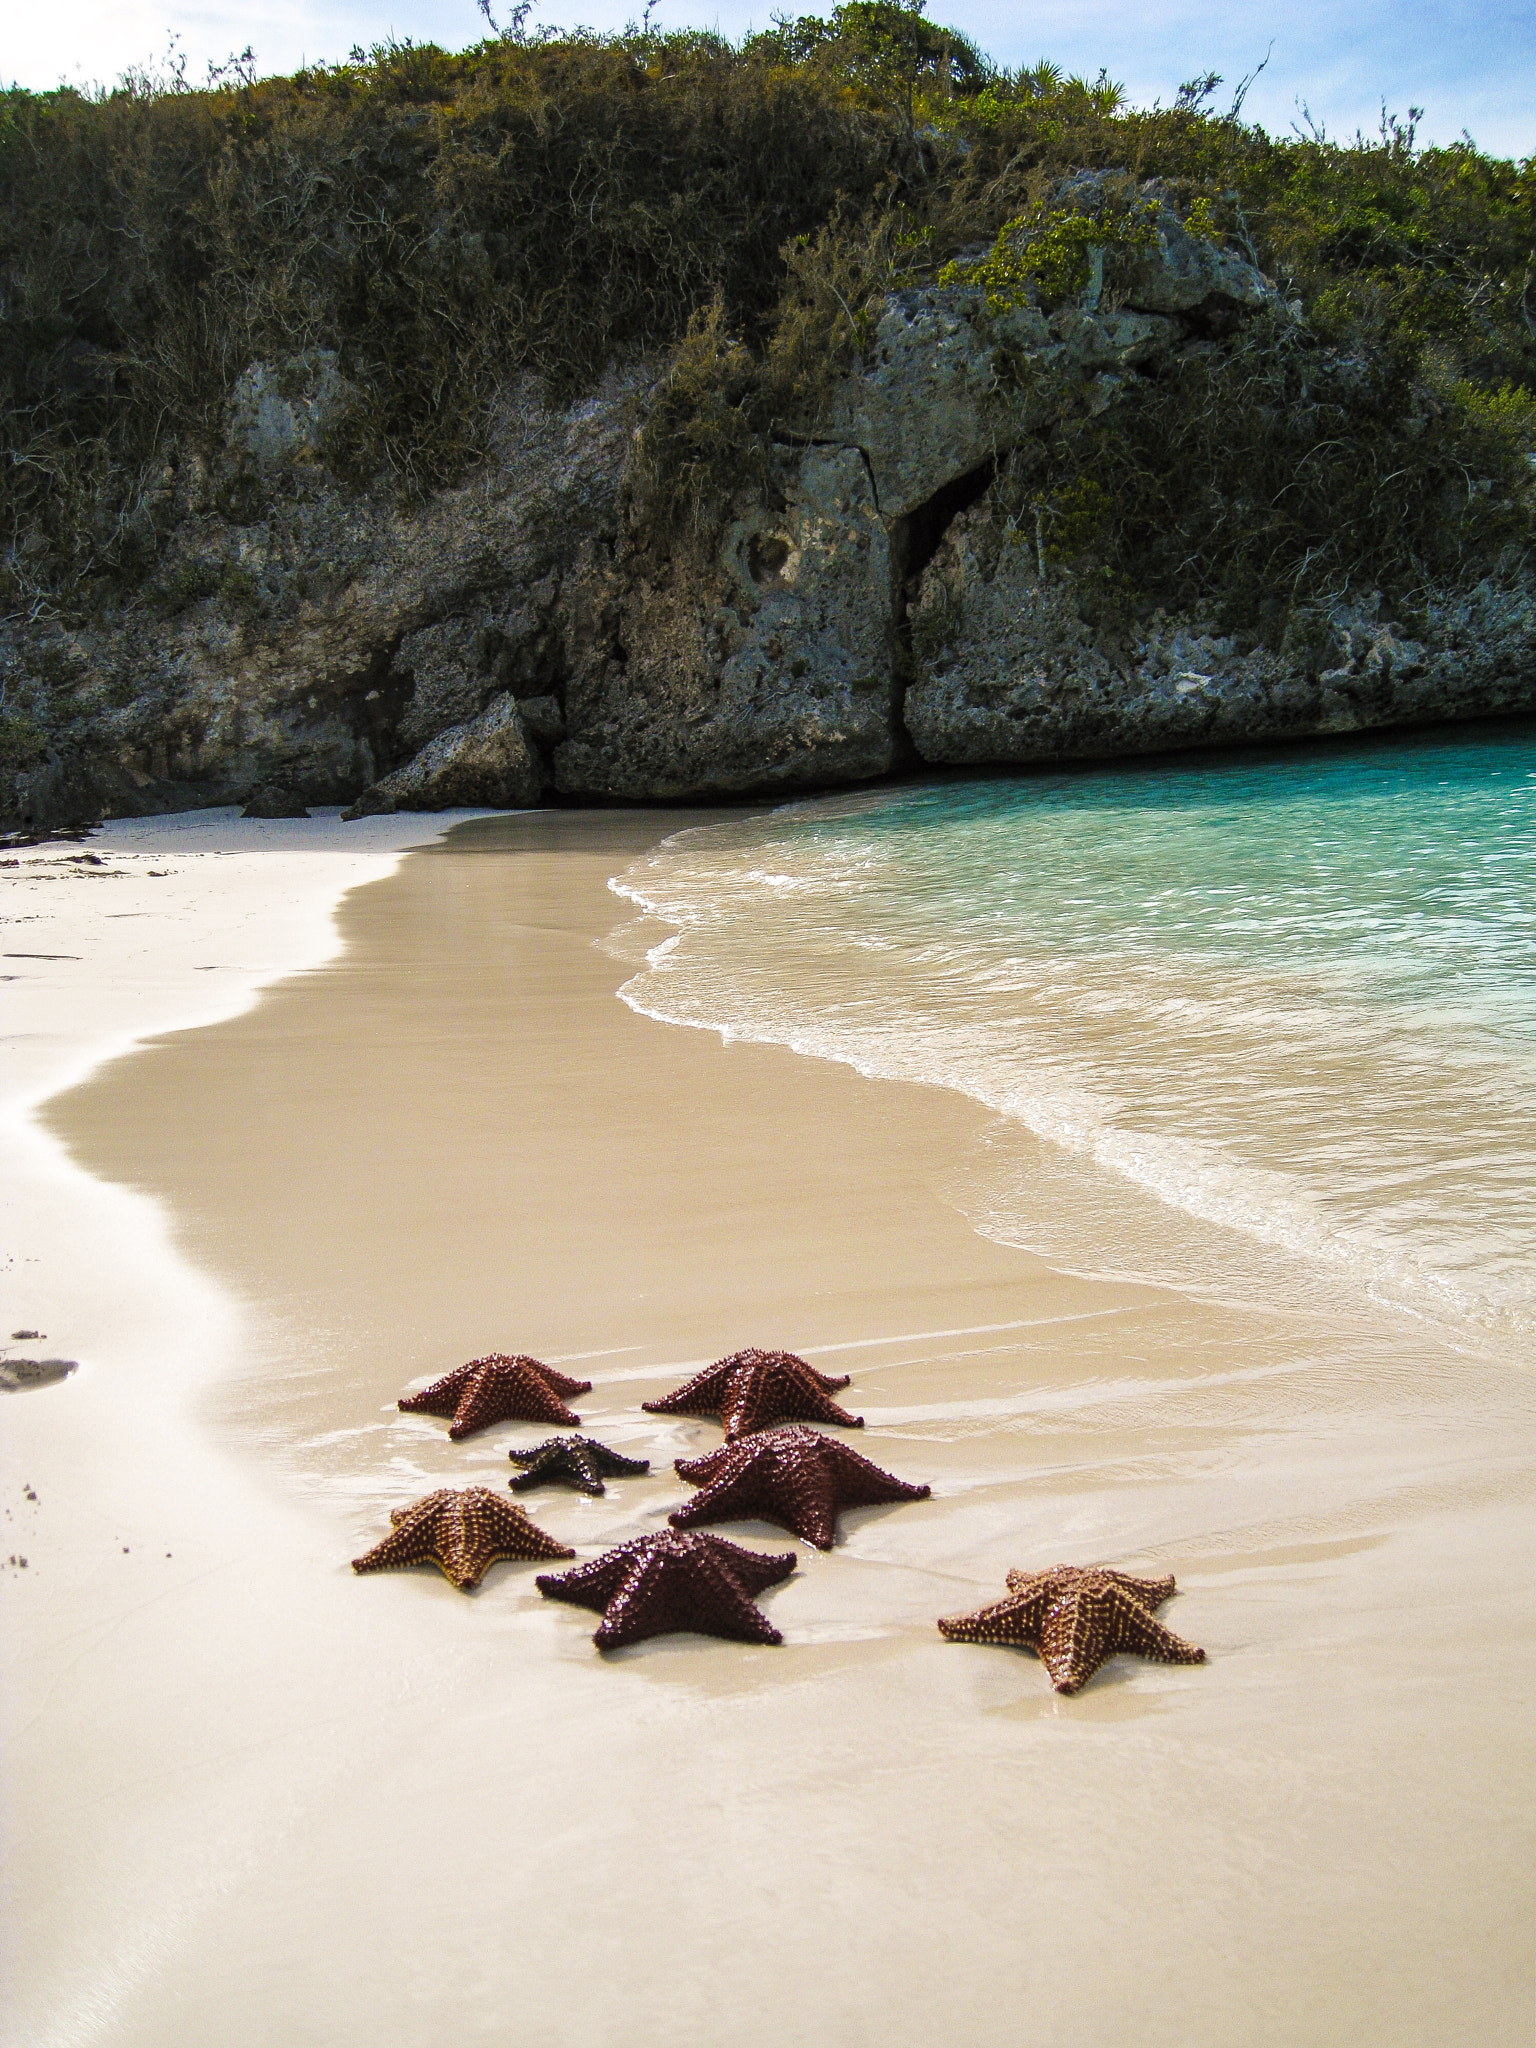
1258, 1022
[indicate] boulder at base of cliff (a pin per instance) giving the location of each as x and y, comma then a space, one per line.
486, 762
276, 798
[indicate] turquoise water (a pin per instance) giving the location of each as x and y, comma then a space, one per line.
1291, 999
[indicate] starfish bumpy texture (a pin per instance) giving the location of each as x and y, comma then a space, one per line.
1077, 1618
581, 1461
497, 1389
461, 1533
791, 1475
752, 1390
660, 1584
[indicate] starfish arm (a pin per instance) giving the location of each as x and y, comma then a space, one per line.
754, 1490
1150, 1592
590, 1585
441, 1398
758, 1398
561, 1382
506, 1393
462, 1548
1133, 1629
1082, 1629
409, 1542
698, 1396
1013, 1623
862, 1484
699, 1471
581, 1469
831, 1381
827, 1382
615, 1462
699, 1594
754, 1569
732, 1611
511, 1527
646, 1604
1074, 1641
811, 1507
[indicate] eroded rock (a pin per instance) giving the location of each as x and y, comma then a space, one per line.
1009, 670
770, 664
486, 762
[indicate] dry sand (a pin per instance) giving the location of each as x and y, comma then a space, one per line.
251, 1799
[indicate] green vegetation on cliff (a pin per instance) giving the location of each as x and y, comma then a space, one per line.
440, 223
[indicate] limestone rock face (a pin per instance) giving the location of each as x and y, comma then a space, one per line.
321, 637
769, 665
1009, 670
946, 386
486, 761
527, 628
282, 412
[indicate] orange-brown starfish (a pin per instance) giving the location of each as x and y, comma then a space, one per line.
461, 1533
497, 1389
660, 1584
1077, 1617
791, 1475
752, 1390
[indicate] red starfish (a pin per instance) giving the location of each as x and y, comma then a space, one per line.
793, 1476
1076, 1618
659, 1584
497, 1389
461, 1533
752, 1390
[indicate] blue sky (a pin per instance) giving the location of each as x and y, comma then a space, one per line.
1471, 64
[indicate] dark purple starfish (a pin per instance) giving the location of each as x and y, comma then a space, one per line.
660, 1584
752, 1390
791, 1475
581, 1461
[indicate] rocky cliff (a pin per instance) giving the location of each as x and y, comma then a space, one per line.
883, 599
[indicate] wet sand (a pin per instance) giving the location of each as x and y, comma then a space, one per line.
268, 1801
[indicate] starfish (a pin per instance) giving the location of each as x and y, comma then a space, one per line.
497, 1389
666, 1582
461, 1533
752, 1390
579, 1460
791, 1475
1077, 1618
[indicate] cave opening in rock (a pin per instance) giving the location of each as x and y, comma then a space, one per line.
917, 536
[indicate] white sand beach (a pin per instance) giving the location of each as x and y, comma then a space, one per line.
274, 1152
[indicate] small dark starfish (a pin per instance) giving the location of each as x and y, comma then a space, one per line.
752, 1390
1076, 1618
497, 1389
461, 1533
581, 1461
659, 1584
791, 1475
